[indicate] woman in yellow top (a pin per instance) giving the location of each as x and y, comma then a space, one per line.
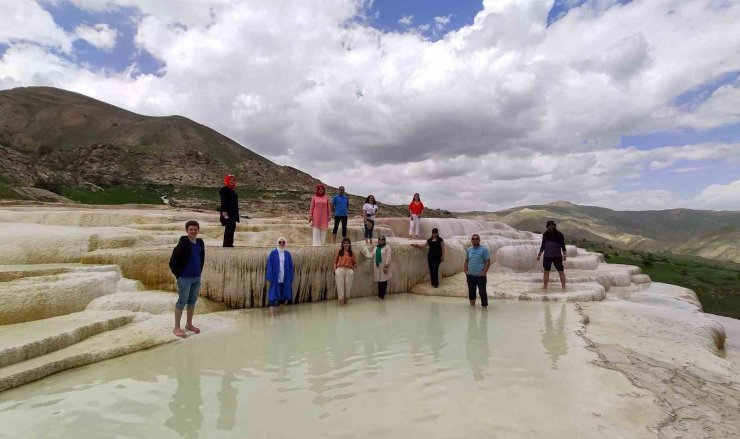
344, 269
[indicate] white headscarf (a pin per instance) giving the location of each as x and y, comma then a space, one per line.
281, 250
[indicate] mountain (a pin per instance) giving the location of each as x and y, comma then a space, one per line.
56, 145
706, 233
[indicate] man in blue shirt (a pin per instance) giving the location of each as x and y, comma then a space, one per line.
341, 212
186, 263
477, 262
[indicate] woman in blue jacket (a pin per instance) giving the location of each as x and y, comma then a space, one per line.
279, 276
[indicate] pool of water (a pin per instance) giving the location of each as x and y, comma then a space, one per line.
409, 367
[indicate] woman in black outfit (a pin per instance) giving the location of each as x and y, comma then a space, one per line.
436, 255
229, 209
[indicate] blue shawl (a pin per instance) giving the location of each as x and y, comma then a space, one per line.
273, 270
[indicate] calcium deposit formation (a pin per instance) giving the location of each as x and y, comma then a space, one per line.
81, 285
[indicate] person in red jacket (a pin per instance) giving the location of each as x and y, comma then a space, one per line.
415, 210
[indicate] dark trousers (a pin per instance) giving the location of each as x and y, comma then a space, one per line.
480, 283
382, 287
369, 231
434, 270
230, 227
343, 220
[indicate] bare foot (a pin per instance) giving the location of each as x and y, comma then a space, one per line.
271, 311
179, 332
193, 328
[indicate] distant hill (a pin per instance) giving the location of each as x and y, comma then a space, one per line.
706, 233
57, 145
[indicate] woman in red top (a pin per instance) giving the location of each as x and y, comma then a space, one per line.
415, 209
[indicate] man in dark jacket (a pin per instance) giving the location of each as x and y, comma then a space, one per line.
186, 263
229, 209
553, 246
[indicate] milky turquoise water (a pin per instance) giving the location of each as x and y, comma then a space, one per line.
409, 367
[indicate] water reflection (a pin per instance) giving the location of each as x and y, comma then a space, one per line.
227, 402
476, 343
554, 338
185, 407
435, 331
407, 367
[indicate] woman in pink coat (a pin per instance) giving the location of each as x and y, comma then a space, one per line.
319, 215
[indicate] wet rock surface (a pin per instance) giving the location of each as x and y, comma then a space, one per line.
80, 285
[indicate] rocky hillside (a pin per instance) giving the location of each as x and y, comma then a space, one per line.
706, 233
56, 145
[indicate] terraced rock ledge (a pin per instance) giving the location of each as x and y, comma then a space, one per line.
78, 286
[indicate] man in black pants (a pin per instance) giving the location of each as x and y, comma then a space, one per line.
340, 202
553, 246
229, 209
477, 263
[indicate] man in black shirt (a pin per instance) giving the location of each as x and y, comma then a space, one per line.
186, 263
229, 209
553, 246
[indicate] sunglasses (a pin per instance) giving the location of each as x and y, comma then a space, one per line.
475, 239
281, 242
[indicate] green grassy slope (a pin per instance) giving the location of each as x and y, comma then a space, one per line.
697, 232
716, 283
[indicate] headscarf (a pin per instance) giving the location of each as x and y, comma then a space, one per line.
230, 181
320, 186
280, 250
378, 250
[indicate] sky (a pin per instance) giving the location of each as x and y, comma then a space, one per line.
476, 105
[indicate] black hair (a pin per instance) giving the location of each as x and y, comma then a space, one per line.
341, 247
435, 230
191, 223
414, 197
367, 200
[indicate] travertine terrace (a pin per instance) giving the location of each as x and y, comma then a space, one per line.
80, 285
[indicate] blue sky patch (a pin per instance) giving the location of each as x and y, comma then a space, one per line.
561, 8
684, 178
419, 15
690, 99
123, 55
725, 134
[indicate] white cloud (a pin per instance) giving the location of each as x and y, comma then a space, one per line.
720, 196
442, 21
502, 112
24, 21
101, 35
406, 20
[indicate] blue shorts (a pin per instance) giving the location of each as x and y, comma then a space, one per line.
187, 291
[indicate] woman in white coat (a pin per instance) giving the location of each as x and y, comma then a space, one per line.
381, 256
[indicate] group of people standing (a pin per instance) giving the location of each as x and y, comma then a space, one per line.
188, 257
320, 211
